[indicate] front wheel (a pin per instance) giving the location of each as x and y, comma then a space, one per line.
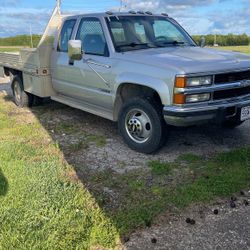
142, 126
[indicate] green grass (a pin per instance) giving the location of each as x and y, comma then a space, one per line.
242, 49
46, 203
9, 49
159, 168
42, 205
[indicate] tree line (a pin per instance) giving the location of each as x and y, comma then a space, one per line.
221, 40
224, 40
21, 40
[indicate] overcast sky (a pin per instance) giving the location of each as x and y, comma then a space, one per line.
197, 16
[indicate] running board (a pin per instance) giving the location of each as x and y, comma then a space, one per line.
74, 103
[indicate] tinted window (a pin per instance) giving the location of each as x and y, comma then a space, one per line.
167, 30
91, 34
145, 32
66, 34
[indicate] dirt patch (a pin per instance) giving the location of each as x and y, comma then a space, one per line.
229, 229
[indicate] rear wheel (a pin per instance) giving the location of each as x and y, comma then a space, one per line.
142, 126
21, 98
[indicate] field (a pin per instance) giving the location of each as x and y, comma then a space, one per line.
10, 49
53, 198
242, 49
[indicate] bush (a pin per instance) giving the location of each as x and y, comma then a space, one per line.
225, 40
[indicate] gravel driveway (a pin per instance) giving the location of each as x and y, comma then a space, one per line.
229, 230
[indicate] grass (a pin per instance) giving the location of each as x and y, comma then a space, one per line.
9, 49
242, 49
172, 186
47, 203
41, 204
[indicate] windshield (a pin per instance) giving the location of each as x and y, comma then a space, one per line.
144, 32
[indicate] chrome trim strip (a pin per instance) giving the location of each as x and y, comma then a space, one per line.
212, 88
208, 107
213, 72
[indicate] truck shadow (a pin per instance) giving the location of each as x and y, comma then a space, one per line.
111, 171
3, 184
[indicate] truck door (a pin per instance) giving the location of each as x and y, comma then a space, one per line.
89, 79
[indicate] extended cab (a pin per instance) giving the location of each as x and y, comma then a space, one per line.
139, 69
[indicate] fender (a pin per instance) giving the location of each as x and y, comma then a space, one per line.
156, 84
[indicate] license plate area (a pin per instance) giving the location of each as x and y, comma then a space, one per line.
245, 113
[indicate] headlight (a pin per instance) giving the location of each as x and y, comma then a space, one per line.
198, 98
198, 81
183, 82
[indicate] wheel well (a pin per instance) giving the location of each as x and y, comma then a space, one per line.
14, 72
130, 90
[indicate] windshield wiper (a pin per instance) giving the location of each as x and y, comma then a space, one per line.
174, 43
133, 45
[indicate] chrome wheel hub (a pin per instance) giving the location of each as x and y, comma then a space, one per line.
138, 126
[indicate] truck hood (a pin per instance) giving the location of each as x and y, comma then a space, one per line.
190, 59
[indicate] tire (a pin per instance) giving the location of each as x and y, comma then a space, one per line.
142, 126
21, 98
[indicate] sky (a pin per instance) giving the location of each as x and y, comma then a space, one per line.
196, 16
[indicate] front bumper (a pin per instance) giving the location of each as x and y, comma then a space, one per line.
218, 112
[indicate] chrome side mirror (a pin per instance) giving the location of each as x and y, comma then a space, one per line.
75, 50
203, 42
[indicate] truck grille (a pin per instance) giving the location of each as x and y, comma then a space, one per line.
231, 93
232, 77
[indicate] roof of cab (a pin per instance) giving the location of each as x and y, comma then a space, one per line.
110, 14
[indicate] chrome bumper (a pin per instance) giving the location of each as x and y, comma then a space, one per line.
217, 111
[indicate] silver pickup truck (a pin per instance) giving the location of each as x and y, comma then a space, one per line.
142, 70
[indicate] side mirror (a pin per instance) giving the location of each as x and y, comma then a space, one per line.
203, 42
75, 50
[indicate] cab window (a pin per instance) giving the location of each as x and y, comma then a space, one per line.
66, 34
91, 34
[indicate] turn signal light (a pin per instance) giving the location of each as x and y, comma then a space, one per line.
179, 99
180, 82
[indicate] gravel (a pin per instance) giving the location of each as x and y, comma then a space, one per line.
230, 229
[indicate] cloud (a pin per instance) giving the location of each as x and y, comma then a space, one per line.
9, 2
164, 5
196, 16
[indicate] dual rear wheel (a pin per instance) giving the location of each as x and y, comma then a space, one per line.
22, 98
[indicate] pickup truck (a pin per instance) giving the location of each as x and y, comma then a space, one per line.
139, 69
